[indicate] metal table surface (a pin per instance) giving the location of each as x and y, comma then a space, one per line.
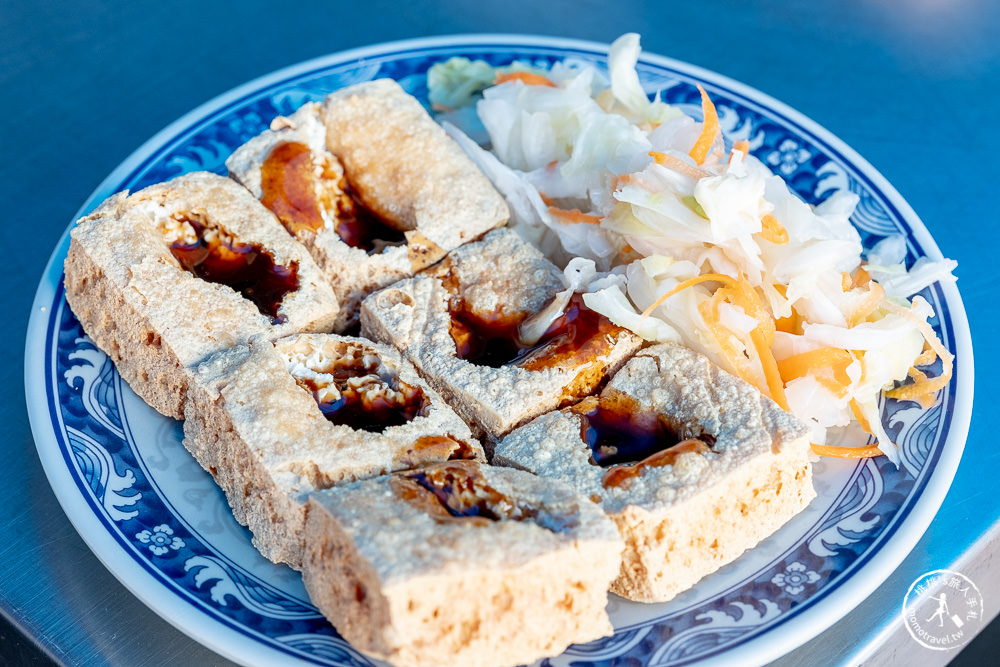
911, 85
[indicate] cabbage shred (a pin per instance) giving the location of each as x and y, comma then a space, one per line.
694, 240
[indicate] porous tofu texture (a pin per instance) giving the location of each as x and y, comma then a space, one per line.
502, 275
435, 226
155, 319
263, 437
410, 587
406, 168
683, 520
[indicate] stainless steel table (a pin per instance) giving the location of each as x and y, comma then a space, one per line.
912, 86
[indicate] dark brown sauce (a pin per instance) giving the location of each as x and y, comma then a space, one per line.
400, 404
462, 493
288, 182
247, 268
485, 341
626, 439
360, 227
354, 410
577, 336
457, 491
618, 431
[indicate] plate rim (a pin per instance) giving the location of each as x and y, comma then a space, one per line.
890, 551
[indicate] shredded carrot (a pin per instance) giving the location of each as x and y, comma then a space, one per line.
860, 278
670, 162
762, 336
705, 277
832, 377
923, 391
770, 366
827, 365
791, 324
742, 146
831, 385
772, 230
845, 282
738, 292
709, 129
575, 215
876, 293
739, 363
847, 452
926, 357
528, 78
860, 416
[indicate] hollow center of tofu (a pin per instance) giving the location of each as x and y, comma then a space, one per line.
578, 336
300, 187
618, 430
625, 438
458, 491
215, 255
356, 389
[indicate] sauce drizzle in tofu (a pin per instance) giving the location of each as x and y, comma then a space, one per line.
356, 390
625, 439
290, 190
212, 254
618, 431
579, 335
458, 491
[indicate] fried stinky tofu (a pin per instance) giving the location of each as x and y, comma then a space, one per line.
275, 421
405, 167
460, 563
694, 465
169, 275
371, 185
462, 325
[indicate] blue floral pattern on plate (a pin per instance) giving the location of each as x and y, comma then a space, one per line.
163, 512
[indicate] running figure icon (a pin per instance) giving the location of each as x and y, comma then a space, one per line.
942, 609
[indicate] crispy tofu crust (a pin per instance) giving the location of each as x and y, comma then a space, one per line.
416, 590
351, 271
406, 168
682, 521
501, 274
156, 320
415, 178
263, 438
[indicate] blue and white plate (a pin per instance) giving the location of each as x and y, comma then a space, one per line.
160, 524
